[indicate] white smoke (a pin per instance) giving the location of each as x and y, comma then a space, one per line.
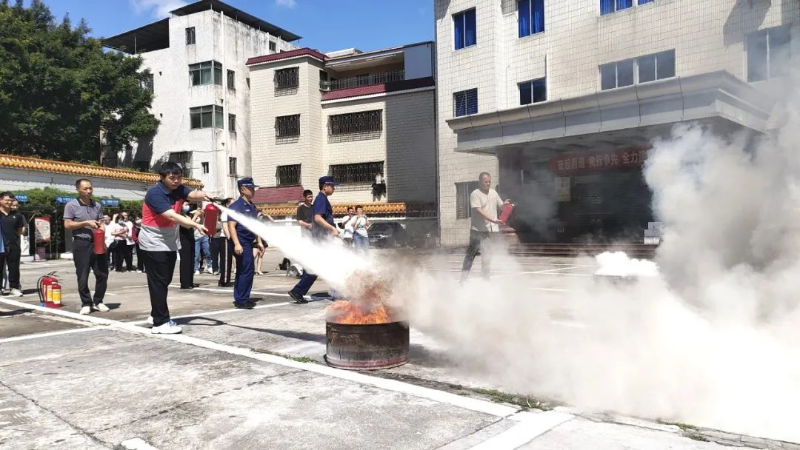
708, 336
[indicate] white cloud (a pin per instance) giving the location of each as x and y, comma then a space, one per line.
157, 8
286, 3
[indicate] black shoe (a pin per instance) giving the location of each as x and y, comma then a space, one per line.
225, 284
187, 287
297, 297
244, 305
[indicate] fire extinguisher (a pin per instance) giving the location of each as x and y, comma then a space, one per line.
99, 241
45, 288
210, 221
506, 213
56, 296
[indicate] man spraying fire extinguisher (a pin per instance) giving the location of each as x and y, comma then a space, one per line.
84, 217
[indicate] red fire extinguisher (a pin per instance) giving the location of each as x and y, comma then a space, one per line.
45, 288
210, 221
99, 241
506, 213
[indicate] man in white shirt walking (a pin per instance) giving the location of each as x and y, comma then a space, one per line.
484, 203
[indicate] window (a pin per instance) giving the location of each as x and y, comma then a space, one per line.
464, 29
656, 67
533, 91
359, 173
360, 122
287, 78
232, 167
610, 6
463, 190
618, 74
287, 126
288, 175
272, 46
642, 2
209, 72
148, 83
190, 37
465, 102
231, 80
206, 117
184, 159
768, 54
232, 123
204, 165
643, 69
530, 17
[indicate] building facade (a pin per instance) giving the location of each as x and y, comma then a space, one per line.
201, 89
367, 118
559, 100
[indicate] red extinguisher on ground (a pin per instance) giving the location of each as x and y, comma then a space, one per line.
210, 221
49, 291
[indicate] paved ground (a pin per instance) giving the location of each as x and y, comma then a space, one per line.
256, 379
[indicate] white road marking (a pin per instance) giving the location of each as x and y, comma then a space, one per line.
45, 335
530, 426
471, 404
215, 313
136, 444
550, 289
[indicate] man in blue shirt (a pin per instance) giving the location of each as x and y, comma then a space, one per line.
243, 241
321, 227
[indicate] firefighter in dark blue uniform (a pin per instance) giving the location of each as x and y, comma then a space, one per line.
244, 241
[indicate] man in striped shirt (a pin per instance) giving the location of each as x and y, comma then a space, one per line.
158, 239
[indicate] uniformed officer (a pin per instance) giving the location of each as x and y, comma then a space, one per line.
243, 242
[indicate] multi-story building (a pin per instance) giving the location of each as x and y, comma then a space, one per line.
367, 118
201, 89
559, 100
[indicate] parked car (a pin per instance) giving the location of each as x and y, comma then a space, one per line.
387, 235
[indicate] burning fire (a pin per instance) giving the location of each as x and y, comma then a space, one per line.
366, 305
351, 313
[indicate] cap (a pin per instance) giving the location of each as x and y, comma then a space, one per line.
327, 179
246, 182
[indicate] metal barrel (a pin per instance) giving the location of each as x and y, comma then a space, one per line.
367, 347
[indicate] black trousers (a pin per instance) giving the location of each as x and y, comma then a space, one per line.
128, 253
476, 244
119, 255
159, 267
111, 251
187, 258
217, 252
85, 260
225, 262
139, 260
11, 259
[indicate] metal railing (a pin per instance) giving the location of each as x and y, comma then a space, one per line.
362, 80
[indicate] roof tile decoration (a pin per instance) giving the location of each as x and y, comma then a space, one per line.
84, 170
286, 55
278, 194
371, 209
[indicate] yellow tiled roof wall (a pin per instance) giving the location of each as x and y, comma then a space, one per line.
45, 165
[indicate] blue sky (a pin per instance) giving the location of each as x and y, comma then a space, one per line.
324, 24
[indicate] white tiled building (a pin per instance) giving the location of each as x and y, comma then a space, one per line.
354, 115
558, 100
201, 89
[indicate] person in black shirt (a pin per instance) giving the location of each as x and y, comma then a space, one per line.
13, 227
305, 214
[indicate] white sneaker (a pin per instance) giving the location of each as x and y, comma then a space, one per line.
16, 293
149, 320
167, 328
197, 272
101, 307
209, 270
86, 310
138, 271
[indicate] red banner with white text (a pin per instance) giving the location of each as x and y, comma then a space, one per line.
591, 161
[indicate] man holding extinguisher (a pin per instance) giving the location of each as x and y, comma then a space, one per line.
83, 215
244, 241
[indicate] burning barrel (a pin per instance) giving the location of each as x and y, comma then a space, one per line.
363, 337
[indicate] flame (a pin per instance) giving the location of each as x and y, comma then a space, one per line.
351, 313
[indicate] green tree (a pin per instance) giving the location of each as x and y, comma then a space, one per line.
59, 91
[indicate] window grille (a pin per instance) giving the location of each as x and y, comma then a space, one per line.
184, 159
210, 116
287, 78
465, 102
272, 46
360, 122
190, 36
232, 80
232, 123
232, 167
288, 175
209, 72
463, 191
287, 126
358, 173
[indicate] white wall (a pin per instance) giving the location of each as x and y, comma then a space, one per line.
418, 61
18, 180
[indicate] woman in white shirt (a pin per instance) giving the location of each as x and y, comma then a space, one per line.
359, 224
